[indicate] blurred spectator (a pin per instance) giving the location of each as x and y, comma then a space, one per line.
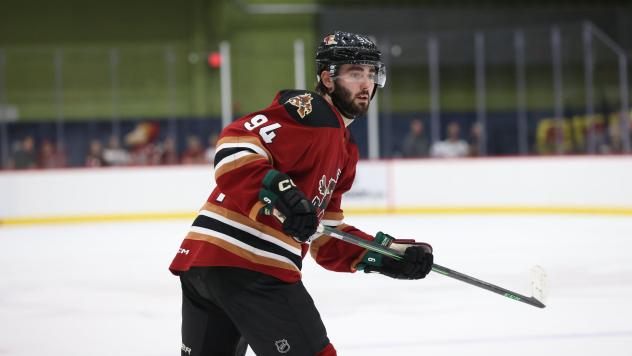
169, 153
548, 145
476, 135
209, 154
613, 140
51, 156
46, 158
600, 138
94, 158
415, 143
60, 154
614, 144
453, 146
114, 154
616, 138
24, 156
142, 139
194, 152
555, 137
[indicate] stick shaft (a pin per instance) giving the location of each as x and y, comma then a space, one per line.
370, 245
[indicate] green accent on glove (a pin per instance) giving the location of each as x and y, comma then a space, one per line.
373, 258
268, 198
266, 195
383, 239
269, 178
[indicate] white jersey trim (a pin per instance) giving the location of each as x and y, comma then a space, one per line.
232, 158
233, 241
331, 222
252, 231
251, 146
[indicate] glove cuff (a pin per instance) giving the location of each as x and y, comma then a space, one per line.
270, 177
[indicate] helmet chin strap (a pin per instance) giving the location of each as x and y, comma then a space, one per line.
374, 91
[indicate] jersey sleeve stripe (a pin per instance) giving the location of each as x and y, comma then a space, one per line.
234, 157
332, 218
333, 223
333, 215
254, 211
245, 142
243, 145
223, 153
238, 160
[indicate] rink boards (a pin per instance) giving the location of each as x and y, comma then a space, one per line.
552, 185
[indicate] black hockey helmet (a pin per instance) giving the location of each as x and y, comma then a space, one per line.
349, 48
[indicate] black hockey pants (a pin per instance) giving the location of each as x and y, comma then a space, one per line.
224, 309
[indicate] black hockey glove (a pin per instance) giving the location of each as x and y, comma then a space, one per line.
417, 261
281, 193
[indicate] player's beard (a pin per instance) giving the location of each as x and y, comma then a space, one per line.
344, 101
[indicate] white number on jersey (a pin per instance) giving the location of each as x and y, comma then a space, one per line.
255, 121
266, 132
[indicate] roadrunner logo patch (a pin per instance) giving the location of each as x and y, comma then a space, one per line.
303, 104
325, 190
330, 40
282, 346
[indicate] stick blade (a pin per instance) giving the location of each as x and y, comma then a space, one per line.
539, 287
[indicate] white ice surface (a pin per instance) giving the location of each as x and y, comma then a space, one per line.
104, 289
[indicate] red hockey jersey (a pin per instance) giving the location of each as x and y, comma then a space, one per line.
299, 134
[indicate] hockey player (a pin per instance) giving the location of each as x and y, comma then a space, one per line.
240, 270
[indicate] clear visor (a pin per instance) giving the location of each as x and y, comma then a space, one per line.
376, 73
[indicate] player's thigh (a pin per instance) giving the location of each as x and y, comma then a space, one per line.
278, 318
206, 329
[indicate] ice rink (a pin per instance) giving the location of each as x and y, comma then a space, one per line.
105, 290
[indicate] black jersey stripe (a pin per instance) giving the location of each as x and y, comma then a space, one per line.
247, 238
225, 152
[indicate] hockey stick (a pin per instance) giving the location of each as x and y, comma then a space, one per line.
537, 283
370, 245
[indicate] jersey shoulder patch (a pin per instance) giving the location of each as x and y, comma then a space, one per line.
308, 108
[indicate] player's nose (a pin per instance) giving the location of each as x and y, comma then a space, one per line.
366, 82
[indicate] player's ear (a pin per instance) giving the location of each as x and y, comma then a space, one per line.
328, 82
